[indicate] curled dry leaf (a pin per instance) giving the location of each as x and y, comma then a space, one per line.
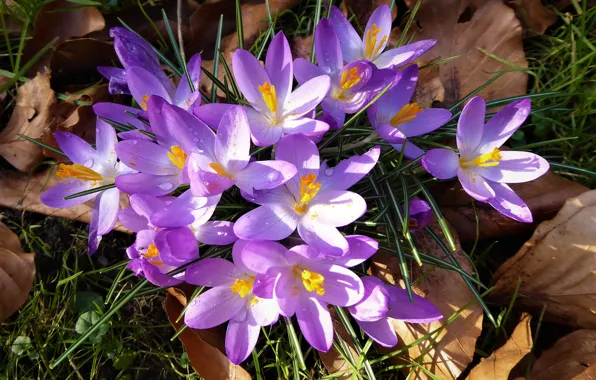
557, 266
544, 196
204, 347
333, 360
572, 357
534, 16
500, 363
17, 271
470, 27
453, 347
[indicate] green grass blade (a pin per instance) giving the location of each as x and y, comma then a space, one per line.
345, 321
408, 23
90, 191
216, 58
315, 23
239, 25
482, 87
176, 50
57, 151
28, 65
295, 343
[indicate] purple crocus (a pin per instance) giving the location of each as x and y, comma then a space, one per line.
225, 161
395, 118
156, 251
303, 281
352, 85
482, 168
275, 109
90, 168
376, 35
420, 214
383, 301
230, 298
315, 201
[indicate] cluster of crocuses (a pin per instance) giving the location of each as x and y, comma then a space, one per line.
175, 145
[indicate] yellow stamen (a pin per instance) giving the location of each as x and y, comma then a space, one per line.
405, 114
412, 223
152, 252
177, 156
309, 187
371, 49
243, 287
219, 169
313, 282
79, 172
349, 78
144, 102
488, 159
269, 96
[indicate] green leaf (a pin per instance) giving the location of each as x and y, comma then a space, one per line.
124, 360
86, 321
85, 301
113, 348
21, 344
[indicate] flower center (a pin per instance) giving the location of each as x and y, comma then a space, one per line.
412, 223
309, 187
151, 253
405, 114
349, 78
144, 102
313, 281
371, 49
243, 287
177, 156
219, 170
486, 160
79, 172
269, 96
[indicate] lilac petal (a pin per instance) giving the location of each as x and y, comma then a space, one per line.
249, 75
328, 48
381, 19
419, 311
146, 205
103, 217
349, 171
187, 131
75, 148
361, 248
509, 204
470, 126
515, 167
425, 122
157, 277
110, 71
232, 143
302, 253
135, 264
143, 84
278, 65
305, 70
264, 311
332, 111
286, 292
326, 239
211, 272
142, 183
412, 151
475, 185
241, 339
441, 163
502, 125
131, 220
300, 151
342, 286
116, 79
134, 135
375, 302
263, 133
260, 256
212, 113
380, 79
281, 195
213, 308
236, 255
336, 208
261, 175
271, 222
364, 69
176, 246
306, 97
390, 134
380, 331
351, 44
146, 157
206, 184
315, 323
396, 97
216, 233
403, 55
264, 284
420, 214
144, 238
54, 196
181, 211
118, 113
306, 126
183, 97
159, 125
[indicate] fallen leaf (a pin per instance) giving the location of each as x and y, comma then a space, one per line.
572, 357
534, 16
208, 360
467, 27
33, 112
364, 8
453, 348
556, 266
335, 362
544, 196
205, 84
301, 47
429, 88
17, 271
500, 363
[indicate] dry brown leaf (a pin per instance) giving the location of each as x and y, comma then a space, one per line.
466, 27
364, 8
210, 362
500, 363
544, 196
572, 357
454, 347
206, 83
301, 47
429, 88
533, 15
332, 359
17, 271
33, 112
557, 266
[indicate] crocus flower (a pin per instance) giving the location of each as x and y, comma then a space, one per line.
125, 115
303, 281
156, 251
482, 168
395, 118
352, 85
372, 45
230, 298
420, 214
382, 301
275, 109
315, 201
90, 168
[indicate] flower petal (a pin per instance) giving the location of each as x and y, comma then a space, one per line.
216, 233
375, 302
54, 196
381, 20
211, 272
306, 126
419, 311
412, 151
264, 311
180, 212
278, 65
300, 151
260, 256
118, 113
306, 97
213, 308
470, 126
143, 84
361, 248
146, 157
176, 246
184, 97
207, 184
425, 122
241, 339
232, 142
397, 96
402, 55
315, 322
509, 204
212, 113
503, 124
261, 175
157, 277
146, 205
142, 183
270, 222
380, 331
328, 48
131, 220
326, 239
351, 43
342, 286
305, 70
349, 171
515, 167
475, 185
249, 75
286, 292
263, 133
191, 134
441, 163
103, 217
76, 149
336, 208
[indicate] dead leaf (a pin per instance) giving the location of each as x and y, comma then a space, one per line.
17, 271
364, 8
557, 266
429, 88
210, 362
301, 47
534, 16
544, 196
466, 27
332, 359
500, 363
31, 115
454, 347
572, 357
206, 83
